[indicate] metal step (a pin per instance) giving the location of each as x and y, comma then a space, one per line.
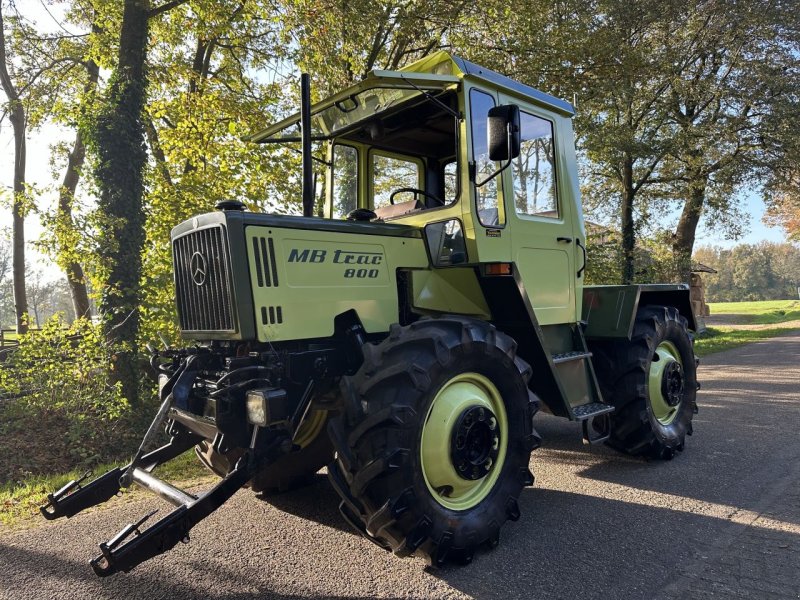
594, 418
570, 356
594, 409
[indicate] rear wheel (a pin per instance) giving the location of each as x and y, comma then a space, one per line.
289, 471
432, 450
652, 382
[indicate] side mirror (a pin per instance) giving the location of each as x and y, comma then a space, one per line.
503, 132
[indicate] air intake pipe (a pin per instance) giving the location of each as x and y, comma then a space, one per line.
305, 133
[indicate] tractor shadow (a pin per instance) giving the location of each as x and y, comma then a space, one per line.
569, 545
316, 501
32, 573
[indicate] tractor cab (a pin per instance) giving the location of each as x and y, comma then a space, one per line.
485, 165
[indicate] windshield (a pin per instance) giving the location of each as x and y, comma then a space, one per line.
347, 112
359, 103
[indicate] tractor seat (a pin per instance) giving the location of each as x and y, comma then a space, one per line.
397, 210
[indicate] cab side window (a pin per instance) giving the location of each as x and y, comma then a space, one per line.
345, 180
533, 171
486, 196
450, 176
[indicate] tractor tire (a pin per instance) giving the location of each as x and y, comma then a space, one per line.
433, 446
652, 382
291, 471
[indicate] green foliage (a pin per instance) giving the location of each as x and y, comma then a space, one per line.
57, 402
603, 256
763, 271
654, 260
340, 42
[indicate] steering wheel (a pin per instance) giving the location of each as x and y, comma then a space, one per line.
416, 192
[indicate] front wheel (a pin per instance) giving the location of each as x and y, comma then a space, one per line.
651, 380
432, 451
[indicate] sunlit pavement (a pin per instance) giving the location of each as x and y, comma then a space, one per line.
721, 520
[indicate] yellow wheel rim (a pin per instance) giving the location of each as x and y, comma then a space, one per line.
310, 428
458, 396
665, 357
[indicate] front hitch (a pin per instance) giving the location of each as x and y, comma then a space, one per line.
133, 544
75, 497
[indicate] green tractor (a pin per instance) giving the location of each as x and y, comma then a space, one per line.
405, 330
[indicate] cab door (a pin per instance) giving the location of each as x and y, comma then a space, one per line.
540, 212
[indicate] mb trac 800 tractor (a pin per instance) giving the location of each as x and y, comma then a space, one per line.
405, 330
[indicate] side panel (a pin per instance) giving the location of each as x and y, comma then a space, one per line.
455, 291
302, 279
610, 310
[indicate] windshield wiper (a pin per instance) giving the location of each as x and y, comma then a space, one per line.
433, 99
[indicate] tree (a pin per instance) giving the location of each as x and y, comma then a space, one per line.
16, 112
782, 187
784, 210
119, 145
68, 76
340, 42
764, 271
626, 131
40, 293
54, 91
739, 66
209, 85
118, 141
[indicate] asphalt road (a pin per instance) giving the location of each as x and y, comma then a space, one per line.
721, 520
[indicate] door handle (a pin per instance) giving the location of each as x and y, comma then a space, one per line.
582, 247
566, 240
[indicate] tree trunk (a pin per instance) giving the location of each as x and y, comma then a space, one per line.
73, 269
119, 135
686, 230
626, 211
17, 118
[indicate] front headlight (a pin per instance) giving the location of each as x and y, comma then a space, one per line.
266, 406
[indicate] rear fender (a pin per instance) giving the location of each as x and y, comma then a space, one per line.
609, 311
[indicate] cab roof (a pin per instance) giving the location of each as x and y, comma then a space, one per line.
436, 72
442, 62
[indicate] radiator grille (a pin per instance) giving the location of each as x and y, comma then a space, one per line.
203, 281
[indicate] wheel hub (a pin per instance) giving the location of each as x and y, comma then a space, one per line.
464, 441
672, 383
475, 442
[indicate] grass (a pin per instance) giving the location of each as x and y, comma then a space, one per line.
717, 339
767, 312
20, 501
743, 314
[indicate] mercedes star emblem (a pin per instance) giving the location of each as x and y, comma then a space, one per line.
198, 268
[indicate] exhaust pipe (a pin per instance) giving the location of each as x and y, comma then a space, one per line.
305, 133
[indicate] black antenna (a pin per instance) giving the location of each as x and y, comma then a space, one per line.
305, 134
